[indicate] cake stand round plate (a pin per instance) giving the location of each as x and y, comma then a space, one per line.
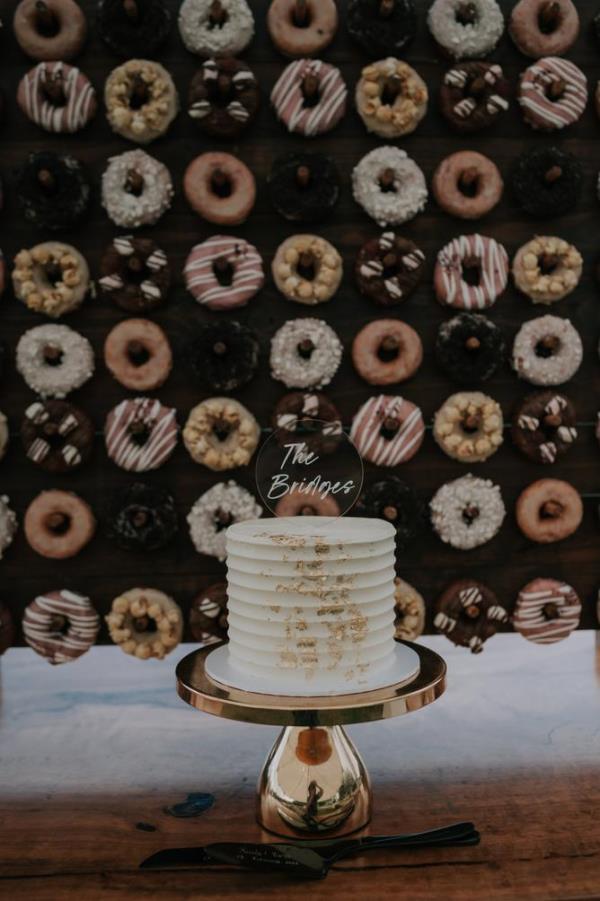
314, 781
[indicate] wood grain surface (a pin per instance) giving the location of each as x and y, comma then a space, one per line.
508, 561
89, 764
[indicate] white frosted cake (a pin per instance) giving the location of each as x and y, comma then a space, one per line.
311, 607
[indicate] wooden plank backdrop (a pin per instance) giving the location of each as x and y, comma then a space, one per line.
508, 561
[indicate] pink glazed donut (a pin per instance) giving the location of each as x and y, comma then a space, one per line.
485, 257
224, 272
544, 27
310, 97
387, 430
57, 97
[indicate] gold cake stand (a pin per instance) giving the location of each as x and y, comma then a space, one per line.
313, 780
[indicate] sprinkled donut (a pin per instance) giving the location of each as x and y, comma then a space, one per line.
304, 187
216, 27
302, 27
552, 93
547, 351
307, 269
309, 97
544, 426
468, 614
409, 608
389, 268
546, 611
387, 430
51, 278
223, 356
547, 269
484, 257
469, 426
396, 502
133, 28
544, 27
208, 615
223, 98
142, 517
467, 512
53, 190
547, 182
466, 29
60, 626
50, 29
224, 272
387, 351
381, 27
58, 524
57, 97
221, 433
141, 100
140, 434
54, 360
469, 348
135, 274
138, 354
8, 524
549, 510
391, 98
220, 188
467, 184
214, 511
473, 96
136, 189
305, 353
56, 436
145, 623
389, 186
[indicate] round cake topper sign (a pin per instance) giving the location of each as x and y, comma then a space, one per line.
314, 470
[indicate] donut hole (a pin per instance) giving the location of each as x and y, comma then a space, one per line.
549, 18
222, 519
222, 429
305, 349
466, 14
555, 89
139, 92
550, 509
134, 183
468, 182
217, 15
139, 517
220, 184
548, 262
139, 432
301, 14
137, 353
143, 624
548, 346
387, 181
53, 272
53, 89
470, 513
389, 349
223, 271
58, 625
46, 180
136, 269
471, 271
391, 90
45, 22
470, 423
310, 90
52, 355
389, 428
307, 266
57, 523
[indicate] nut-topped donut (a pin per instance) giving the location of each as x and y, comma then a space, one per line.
310, 416
60, 626
469, 348
221, 433
58, 524
223, 97
549, 510
467, 512
546, 611
409, 609
140, 434
552, 93
56, 436
54, 360
132, 28
50, 29
302, 27
135, 274
309, 97
145, 623
467, 184
547, 269
389, 268
473, 95
141, 100
305, 353
468, 613
223, 272
469, 426
136, 189
471, 272
51, 278
391, 98
57, 97
544, 27
53, 190
216, 27
466, 29
387, 351
544, 426
214, 511
220, 188
389, 186
307, 269
138, 354
387, 430
547, 351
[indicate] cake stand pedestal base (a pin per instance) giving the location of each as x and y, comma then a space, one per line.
314, 781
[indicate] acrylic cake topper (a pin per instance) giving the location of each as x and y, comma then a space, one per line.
314, 470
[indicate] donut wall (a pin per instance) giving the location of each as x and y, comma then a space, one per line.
549, 190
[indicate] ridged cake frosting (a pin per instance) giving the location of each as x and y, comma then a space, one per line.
311, 601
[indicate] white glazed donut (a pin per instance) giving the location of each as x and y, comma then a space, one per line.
466, 30
305, 353
136, 189
54, 360
216, 27
547, 351
214, 511
467, 512
389, 186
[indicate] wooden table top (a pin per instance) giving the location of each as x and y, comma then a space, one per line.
91, 756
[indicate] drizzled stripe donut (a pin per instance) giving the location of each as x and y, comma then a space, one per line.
547, 611
245, 263
143, 417
535, 96
42, 635
80, 97
383, 446
487, 255
290, 104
